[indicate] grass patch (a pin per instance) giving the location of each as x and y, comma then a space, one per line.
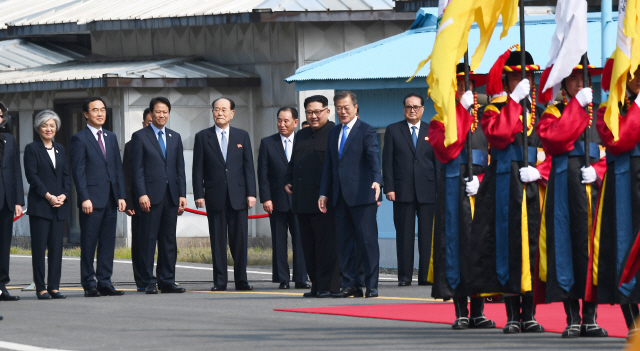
257, 256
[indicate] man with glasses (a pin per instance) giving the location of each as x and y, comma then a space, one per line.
317, 229
352, 179
409, 170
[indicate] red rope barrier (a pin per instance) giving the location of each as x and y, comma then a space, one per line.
202, 213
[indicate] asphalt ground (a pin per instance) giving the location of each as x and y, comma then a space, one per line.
204, 320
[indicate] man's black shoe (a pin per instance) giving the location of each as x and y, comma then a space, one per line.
5, 296
151, 289
404, 283
284, 285
571, 331
172, 289
371, 292
350, 291
592, 330
218, 288
310, 294
91, 292
245, 287
323, 294
110, 291
481, 323
303, 285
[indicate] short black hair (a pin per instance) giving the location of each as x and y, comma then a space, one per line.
85, 105
304, 123
343, 95
293, 110
156, 100
316, 98
404, 101
145, 113
233, 104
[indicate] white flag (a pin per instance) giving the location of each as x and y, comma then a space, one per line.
568, 43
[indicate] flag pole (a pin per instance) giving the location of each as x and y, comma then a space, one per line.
467, 87
585, 80
523, 70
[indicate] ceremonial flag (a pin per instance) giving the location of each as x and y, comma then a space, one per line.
568, 43
451, 44
625, 56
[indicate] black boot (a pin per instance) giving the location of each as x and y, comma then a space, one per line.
589, 325
630, 313
478, 320
462, 313
572, 310
529, 323
512, 304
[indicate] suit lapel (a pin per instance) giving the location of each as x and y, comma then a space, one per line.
44, 153
215, 145
169, 138
279, 147
404, 130
154, 140
94, 142
422, 134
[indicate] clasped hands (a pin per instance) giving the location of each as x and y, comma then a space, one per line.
55, 201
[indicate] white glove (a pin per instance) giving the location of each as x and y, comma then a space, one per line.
529, 174
585, 96
466, 99
472, 186
521, 91
588, 175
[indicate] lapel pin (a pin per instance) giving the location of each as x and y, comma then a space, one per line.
56, 151
169, 134
5, 141
105, 134
239, 146
426, 138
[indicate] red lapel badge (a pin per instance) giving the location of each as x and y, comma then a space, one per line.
239, 146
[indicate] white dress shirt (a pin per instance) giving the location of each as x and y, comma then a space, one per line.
52, 155
417, 125
286, 140
95, 134
350, 125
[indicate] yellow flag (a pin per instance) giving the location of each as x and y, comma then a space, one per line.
451, 44
625, 56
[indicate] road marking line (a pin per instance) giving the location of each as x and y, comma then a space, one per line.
20, 347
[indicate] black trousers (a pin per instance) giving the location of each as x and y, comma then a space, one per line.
404, 218
46, 234
6, 229
98, 229
136, 254
281, 224
159, 225
320, 246
235, 224
357, 230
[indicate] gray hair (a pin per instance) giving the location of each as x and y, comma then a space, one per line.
44, 116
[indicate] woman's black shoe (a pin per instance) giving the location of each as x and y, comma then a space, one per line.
57, 295
43, 296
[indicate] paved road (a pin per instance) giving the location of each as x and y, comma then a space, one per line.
201, 320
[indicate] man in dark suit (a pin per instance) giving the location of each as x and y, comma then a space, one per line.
133, 208
352, 178
159, 182
224, 182
11, 198
409, 170
304, 173
273, 159
97, 173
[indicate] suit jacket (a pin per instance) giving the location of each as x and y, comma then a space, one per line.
43, 178
213, 178
92, 173
409, 171
358, 168
304, 172
152, 172
272, 170
131, 199
11, 173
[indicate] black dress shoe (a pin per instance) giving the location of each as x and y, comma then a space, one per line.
303, 285
245, 287
310, 294
110, 291
532, 327
592, 330
404, 283
172, 289
512, 327
481, 323
371, 292
219, 288
43, 296
323, 294
350, 291
57, 295
5, 296
284, 285
91, 292
151, 289
571, 331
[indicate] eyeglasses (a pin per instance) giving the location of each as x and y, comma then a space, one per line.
310, 113
414, 108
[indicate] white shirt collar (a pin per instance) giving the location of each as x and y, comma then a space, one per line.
350, 124
290, 138
417, 125
93, 130
219, 130
156, 130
